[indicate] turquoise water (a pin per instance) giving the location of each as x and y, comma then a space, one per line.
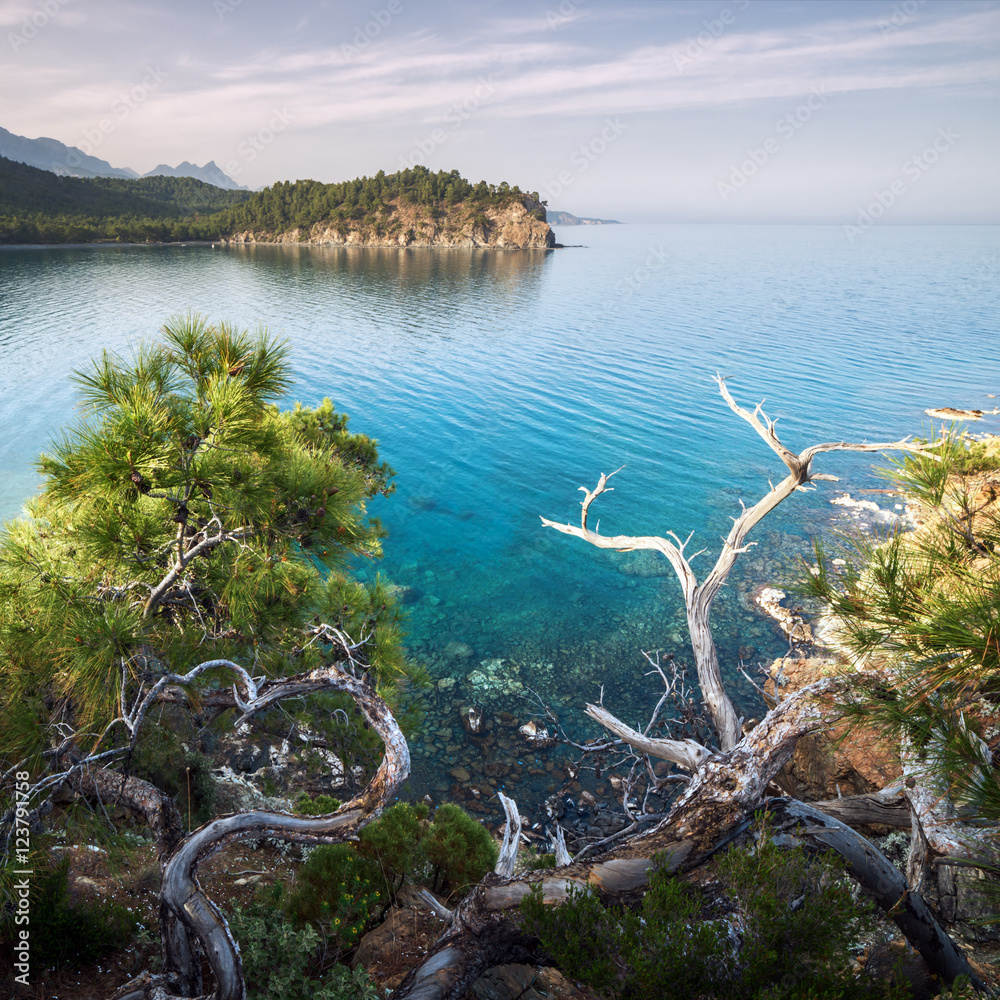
500, 382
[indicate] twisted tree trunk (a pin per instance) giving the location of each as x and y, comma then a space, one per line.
191, 924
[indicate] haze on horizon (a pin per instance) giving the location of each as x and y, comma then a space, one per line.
678, 110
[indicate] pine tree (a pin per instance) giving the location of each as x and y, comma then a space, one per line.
184, 518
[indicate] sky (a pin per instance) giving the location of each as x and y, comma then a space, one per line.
652, 111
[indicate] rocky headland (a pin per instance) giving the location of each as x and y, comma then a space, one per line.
399, 224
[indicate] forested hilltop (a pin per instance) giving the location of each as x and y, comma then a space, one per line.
37, 206
412, 207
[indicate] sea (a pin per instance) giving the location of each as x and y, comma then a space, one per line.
501, 383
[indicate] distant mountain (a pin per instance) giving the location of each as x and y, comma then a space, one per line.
70, 161
210, 174
57, 157
566, 219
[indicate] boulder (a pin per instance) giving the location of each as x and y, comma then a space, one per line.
825, 764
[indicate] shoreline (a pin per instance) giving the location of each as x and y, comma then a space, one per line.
227, 244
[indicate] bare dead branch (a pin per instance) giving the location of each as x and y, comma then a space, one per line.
698, 598
511, 838
686, 753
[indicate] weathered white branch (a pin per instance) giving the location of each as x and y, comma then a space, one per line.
698, 598
559, 848
688, 754
511, 838
435, 905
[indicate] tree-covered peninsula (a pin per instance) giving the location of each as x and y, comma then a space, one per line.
413, 207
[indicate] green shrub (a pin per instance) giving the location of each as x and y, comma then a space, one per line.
283, 962
394, 842
185, 777
319, 805
339, 893
789, 938
531, 860
460, 850
67, 933
660, 951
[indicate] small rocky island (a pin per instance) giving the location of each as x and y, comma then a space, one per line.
511, 225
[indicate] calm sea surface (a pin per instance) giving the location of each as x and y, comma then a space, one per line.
500, 382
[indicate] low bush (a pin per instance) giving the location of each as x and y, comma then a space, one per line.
459, 849
64, 932
394, 842
282, 961
319, 805
339, 893
788, 934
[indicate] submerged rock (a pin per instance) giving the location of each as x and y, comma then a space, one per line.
472, 718
495, 679
537, 736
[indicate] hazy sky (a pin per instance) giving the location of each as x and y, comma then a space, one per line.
659, 110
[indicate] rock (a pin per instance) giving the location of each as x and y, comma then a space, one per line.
820, 769
458, 650
446, 683
495, 679
537, 736
950, 413
847, 501
525, 982
250, 758
472, 719
769, 599
236, 793
430, 601
401, 940
460, 774
644, 564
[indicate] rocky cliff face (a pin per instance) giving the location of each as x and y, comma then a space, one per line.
510, 227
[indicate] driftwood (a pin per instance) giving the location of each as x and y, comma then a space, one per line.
698, 598
511, 838
483, 931
885, 808
717, 803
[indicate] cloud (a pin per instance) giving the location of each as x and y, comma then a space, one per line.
418, 77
